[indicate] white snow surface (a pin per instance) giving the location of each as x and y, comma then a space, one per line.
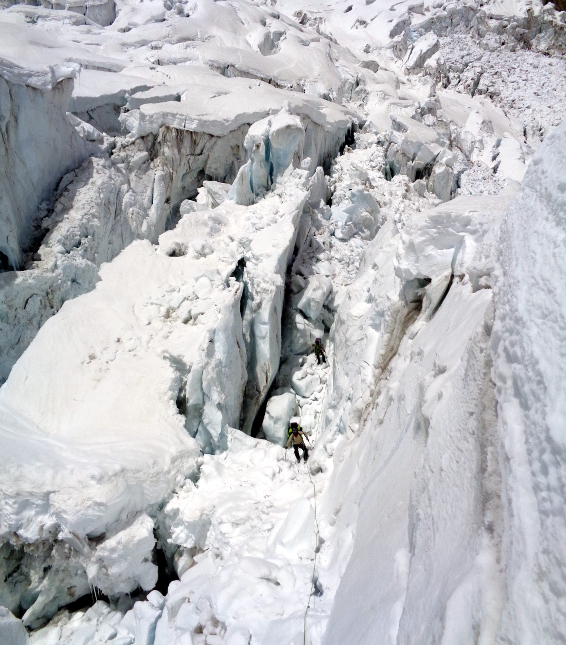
193, 191
528, 345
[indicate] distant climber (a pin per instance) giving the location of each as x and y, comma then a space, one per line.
297, 437
319, 351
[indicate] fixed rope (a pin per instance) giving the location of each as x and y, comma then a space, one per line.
313, 564
313, 576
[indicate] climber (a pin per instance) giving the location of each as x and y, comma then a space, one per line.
297, 437
293, 425
319, 351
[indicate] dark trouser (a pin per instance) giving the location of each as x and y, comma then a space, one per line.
303, 448
321, 358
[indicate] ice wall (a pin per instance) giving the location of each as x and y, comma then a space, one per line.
271, 146
449, 472
39, 145
415, 472
529, 348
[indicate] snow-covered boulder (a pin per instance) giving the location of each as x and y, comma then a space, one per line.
280, 408
271, 144
314, 296
12, 630
425, 47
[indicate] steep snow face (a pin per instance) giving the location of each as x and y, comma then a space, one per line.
417, 464
443, 474
412, 431
39, 145
529, 352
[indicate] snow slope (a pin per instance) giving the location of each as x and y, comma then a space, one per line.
447, 473
528, 348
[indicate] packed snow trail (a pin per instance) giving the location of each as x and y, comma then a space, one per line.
313, 579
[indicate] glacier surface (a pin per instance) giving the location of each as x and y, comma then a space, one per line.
192, 193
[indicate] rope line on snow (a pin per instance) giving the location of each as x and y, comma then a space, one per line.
316, 530
314, 562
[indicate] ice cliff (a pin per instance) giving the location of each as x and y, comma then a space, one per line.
39, 146
193, 192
